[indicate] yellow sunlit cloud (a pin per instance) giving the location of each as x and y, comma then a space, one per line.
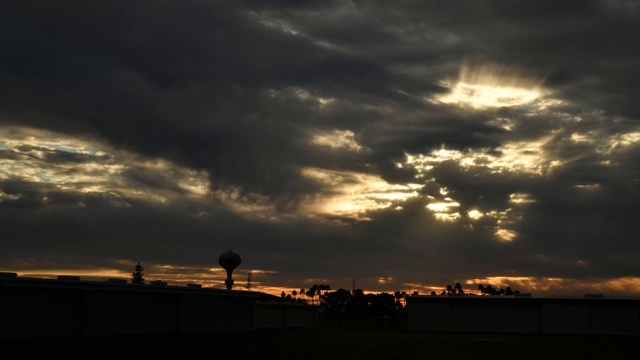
506, 235
563, 286
523, 156
337, 139
545, 286
355, 193
442, 206
488, 96
520, 156
519, 198
475, 214
491, 85
447, 216
606, 144
101, 172
443, 210
618, 142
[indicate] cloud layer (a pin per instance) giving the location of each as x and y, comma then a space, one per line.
406, 145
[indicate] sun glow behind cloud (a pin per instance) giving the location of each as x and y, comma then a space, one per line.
443, 210
355, 193
521, 156
491, 85
527, 157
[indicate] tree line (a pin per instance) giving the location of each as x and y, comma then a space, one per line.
488, 290
354, 307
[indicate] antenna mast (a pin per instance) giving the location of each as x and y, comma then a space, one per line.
249, 280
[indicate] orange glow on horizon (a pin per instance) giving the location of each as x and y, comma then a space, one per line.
538, 286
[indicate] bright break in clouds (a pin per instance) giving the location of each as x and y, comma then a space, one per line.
392, 146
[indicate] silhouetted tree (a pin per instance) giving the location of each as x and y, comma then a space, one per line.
508, 291
490, 290
323, 289
457, 288
355, 308
138, 275
310, 295
335, 304
319, 290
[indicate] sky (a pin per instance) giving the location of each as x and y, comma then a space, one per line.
378, 145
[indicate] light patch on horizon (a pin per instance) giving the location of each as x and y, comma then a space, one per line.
554, 286
491, 85
524, 284
352, 194
207, 277
84, 274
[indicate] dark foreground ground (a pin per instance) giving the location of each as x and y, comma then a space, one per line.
326, 344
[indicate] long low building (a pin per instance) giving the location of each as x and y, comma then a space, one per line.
68, 306
591, 314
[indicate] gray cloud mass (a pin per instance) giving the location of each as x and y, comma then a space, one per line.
407, 145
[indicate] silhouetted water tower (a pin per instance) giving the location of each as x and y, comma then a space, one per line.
229, 261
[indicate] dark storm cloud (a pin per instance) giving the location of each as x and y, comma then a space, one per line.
238, 93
